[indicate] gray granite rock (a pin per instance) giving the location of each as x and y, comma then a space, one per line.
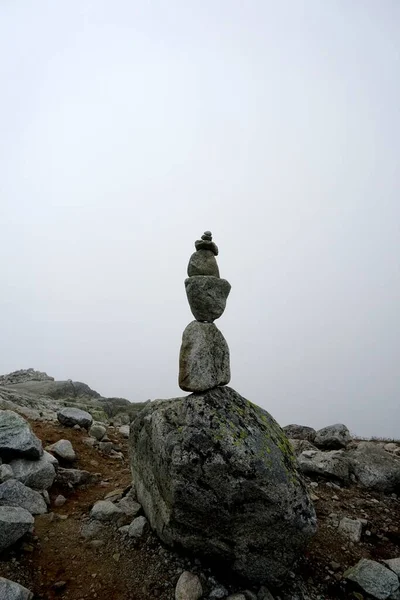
105, 510
350, 528
124, 431
374, 468
299, 446
394, 565
202, 262
188, 587
204, 358
16, 437
63, 449
6, 473
373, 578
206, 245
332, 437
70, 416
207, 296
98, 431
75, 477
300, 432
332, 464
36, 474
138, 527
10, 590
14, 523
15, 493
216, 476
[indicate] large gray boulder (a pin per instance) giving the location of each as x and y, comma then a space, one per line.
374, 468
332, 465
10, 590
332, 437
17, 438
71, 416
15, 493
207, 296
14, 523
204, 358
36, 474
300, 432
203, 262
215, 474
373, 578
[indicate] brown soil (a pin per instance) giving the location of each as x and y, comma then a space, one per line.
121, 569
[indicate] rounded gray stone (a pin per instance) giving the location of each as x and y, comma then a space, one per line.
71, 416
216, 476
188, 587
10, 590
204, 358
36, 474
207, 296
14, 523
203, 262
63, 449
15, 493
332, 437
17, 438
300, 432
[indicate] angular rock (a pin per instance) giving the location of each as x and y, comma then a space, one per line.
207, 296
215, 475
188, 587
6, 473
206, 245
129, 507
138, 527
92, 529
124, 430
372, 577
15, 493
333, 464
36, 474
98, 431
70, 416
300, 432
105, 510
299, 446
374, 468
350, 528
63, 449
203, 262
204, 358
10, 590
14, 523
16, 437
332, 437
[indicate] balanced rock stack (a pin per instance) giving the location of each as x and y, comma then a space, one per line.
214, 473
204, 356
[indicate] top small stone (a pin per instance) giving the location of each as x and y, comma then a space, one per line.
206, 243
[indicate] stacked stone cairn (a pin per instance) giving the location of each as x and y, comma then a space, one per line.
204, 356
214, 473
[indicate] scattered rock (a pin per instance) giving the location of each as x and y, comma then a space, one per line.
374, 468
9, 590
129, 507
15, 493
124, 430
98, 431
104, 510
373, 578
92, 529
188, 587
236, 597
351, 528
218, 592
71, 416
332, 437
36, 474
14, 523
60, 500
207, 296
333, 464
300, 432
215, 474
63, 449
16, 438
75, 477
138, 527
204, 358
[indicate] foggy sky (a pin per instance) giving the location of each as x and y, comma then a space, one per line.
128, 128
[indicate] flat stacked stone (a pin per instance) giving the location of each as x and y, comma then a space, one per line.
204, 356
